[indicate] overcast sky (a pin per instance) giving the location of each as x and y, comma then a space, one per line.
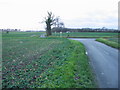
26, 14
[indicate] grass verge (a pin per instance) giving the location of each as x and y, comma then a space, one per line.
109, 43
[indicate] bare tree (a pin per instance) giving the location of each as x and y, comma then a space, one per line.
61, 24
49, 20
57, 21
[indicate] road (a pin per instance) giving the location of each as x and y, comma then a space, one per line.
104, 61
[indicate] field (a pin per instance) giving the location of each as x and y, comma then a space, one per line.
29, 61
117, 40
113, 42
109, 38
86, 34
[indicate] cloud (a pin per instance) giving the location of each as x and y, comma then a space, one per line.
26, 14
99, 19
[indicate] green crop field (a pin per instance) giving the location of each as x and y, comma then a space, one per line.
29, 61
21, 34
86, 34
110, 38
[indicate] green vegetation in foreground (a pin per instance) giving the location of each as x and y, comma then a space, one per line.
113, 42
74, 71
86, 34
33, 62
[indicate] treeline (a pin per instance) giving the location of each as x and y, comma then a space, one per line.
60, 29
9, 29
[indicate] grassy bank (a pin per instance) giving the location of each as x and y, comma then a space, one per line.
34, 62
113, 42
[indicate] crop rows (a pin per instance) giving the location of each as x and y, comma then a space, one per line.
33, 62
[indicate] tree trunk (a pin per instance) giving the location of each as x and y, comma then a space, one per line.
48, 31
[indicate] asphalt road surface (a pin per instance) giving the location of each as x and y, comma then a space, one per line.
104, 61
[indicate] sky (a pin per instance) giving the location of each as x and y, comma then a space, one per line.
28, 14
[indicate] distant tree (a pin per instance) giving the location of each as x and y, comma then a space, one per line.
57, 21
61, 24
58, 26
49, 20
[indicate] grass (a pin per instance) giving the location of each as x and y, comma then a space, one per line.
86, 34
53, 62
21, 34
113, 42
111, 39
117, 40
73, 72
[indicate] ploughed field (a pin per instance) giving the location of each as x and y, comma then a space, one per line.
29, 61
